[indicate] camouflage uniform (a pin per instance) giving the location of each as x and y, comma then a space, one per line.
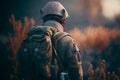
68, 52
67, 57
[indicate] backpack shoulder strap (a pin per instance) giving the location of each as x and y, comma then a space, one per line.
55, 38
58, 36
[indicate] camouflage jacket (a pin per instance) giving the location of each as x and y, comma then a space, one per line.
68, 52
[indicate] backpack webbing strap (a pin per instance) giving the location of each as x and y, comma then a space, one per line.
57, 36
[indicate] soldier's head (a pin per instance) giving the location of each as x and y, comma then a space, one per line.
54, 10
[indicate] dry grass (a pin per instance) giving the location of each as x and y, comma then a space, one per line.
100, 74
15, 39
20, 31
91, 34
94, 37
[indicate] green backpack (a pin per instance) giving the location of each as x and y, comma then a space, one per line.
38, 50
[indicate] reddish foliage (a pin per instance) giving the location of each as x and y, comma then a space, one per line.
20, 31
94, 37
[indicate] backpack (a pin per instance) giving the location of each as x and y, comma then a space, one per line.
38, 50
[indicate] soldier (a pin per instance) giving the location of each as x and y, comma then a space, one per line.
48, 52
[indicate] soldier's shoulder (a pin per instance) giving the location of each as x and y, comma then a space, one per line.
62, 37
67, 39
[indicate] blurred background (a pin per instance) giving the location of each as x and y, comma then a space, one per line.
94, 24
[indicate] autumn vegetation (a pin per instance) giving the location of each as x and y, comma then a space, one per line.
91, 37
15, 39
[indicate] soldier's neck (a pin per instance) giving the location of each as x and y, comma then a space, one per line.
54, 24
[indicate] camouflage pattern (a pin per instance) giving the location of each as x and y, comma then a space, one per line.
64, 46
69, 55
68, 51
35, 55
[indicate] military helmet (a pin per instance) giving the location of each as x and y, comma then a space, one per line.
54, 7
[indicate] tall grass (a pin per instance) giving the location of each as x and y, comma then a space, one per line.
20, 31
16, 38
